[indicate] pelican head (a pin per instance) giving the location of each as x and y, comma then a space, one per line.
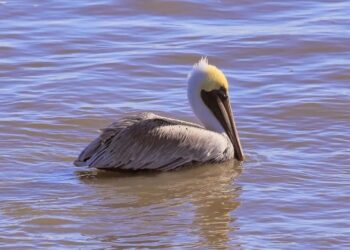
209, 99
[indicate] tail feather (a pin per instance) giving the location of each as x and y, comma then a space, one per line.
87, 153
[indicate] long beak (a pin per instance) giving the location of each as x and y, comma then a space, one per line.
219, 103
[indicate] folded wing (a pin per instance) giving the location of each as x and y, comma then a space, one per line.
149, 141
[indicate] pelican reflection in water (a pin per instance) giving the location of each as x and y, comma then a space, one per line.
150, 141
178, 209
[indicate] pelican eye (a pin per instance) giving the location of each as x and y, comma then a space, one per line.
223, 93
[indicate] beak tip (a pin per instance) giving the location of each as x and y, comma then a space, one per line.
239, 157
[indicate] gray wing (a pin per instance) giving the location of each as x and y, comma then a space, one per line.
149, 141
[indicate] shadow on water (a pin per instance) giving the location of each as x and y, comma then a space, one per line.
208, 194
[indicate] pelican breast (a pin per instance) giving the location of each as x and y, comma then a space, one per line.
150, 141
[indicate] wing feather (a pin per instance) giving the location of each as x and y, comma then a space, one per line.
149, 141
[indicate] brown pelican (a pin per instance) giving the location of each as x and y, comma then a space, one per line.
150, 141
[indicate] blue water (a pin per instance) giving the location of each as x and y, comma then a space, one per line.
68, 68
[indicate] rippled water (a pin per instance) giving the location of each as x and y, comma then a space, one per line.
68, 68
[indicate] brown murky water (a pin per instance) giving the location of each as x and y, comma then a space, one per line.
68, 68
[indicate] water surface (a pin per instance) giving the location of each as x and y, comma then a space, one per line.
68, 68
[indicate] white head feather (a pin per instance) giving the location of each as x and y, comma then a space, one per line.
200, 66
205, 77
